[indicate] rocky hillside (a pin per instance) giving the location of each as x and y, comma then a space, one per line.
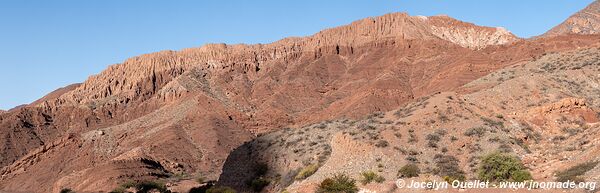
179, 116
586, 21
545, 112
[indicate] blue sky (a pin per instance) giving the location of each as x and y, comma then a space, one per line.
45, 45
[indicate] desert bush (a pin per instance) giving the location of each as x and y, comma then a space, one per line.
339, 183
571, 131
412, 159
66, 190
142, 187
200, 179
259, 184
409, 171
321, 126
307, 171
475, 131
448, 167
522, 144
220, 189
365, 127
432, 144
559, 138
382, 143
502, 167
505, 148
398, 135
441, 132
453, 138
147, 186
492, 123
370, 176
574, 173
521, 176
433, 137
412, 138
258, 181
444, 149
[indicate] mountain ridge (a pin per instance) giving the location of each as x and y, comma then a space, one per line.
181, 113
586, 21
338, 39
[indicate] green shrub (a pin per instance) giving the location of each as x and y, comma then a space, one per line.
502, 167
409, 171
307, 171
220, 189
200, 180
339, 183
574, 173
142, 187
259, 184
370, 176
147, 186
521, 176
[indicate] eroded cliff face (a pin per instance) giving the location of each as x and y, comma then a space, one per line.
586, 21
142, 76
182, 112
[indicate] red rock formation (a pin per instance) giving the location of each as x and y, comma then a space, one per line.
586, 21
186, 110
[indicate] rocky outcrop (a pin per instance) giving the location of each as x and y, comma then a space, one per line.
564, 105
142, 76
468, 35
586, 21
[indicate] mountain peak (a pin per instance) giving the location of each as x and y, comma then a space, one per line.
402, 25
586, 21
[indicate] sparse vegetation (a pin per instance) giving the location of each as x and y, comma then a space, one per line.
453, 138
412, 159
200, 179
66, 190
382, 143
433, 139
220, 189
448, 167
571, 131
259, 184
409, 171
307, 171
492, 123
339, 183
259, 181
203, 188
574, 173
502, 167
142, 187
370, 176
475, 131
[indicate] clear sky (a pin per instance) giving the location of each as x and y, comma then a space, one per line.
45, 44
